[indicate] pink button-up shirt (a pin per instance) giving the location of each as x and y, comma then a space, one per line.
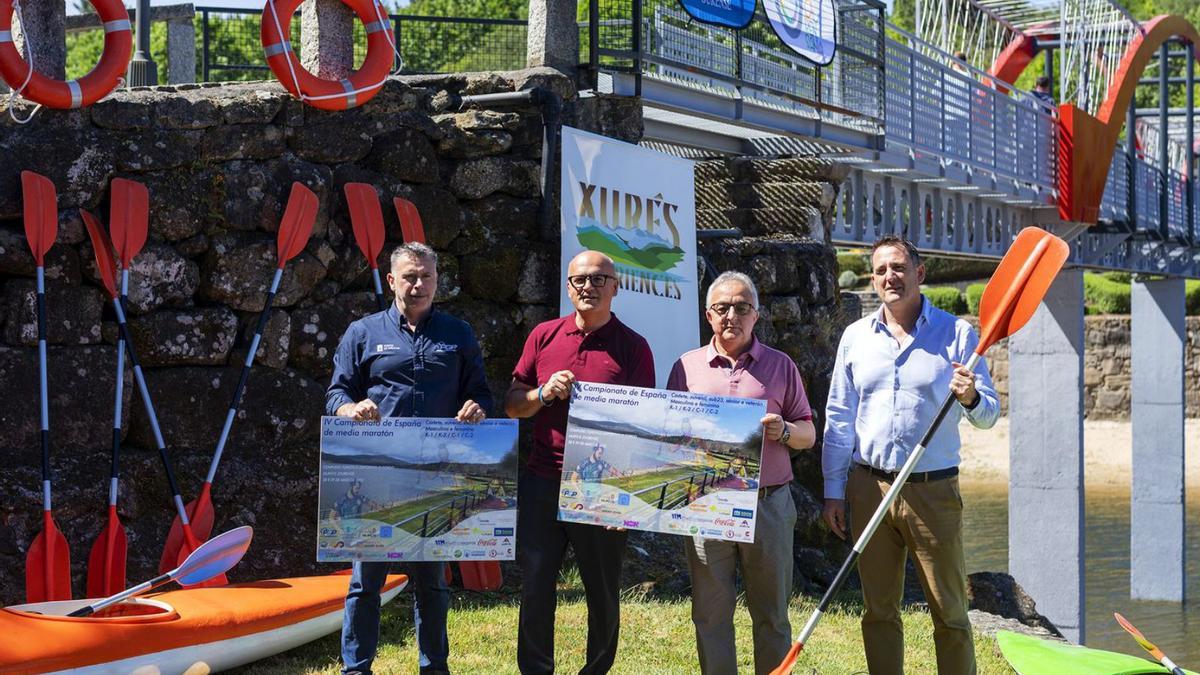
760, 372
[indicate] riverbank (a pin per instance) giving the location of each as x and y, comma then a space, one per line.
1107, 447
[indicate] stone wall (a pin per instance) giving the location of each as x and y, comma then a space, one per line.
218, 161
1106, 367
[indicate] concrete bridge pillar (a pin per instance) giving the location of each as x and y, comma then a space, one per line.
327, 38
1157, 556
1045, 496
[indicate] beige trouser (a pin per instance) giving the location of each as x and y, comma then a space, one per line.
767, 578
926, 518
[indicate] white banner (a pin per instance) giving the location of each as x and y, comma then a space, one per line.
638, 207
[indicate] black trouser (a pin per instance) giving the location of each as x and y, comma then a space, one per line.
541, 542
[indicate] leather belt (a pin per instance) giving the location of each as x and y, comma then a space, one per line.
768, 490
915, 477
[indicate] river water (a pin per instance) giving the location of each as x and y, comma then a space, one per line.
1174, 627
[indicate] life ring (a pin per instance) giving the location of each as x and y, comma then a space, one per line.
351, 92
118, 45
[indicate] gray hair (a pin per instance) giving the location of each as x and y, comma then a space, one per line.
727, 277
414, 250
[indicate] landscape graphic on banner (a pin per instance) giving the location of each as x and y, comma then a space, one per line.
636, 206
808, 27
662, 461
417, 489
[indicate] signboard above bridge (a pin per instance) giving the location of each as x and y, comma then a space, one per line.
807, 27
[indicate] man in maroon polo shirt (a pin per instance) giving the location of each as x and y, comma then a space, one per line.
590, 345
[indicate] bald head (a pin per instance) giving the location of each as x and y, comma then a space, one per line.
591, 260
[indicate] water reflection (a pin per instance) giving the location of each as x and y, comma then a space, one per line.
1174, 627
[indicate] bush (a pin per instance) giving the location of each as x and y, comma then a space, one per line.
974, 296
847, 279
943, 270
1104, 296
947, 298
1192, 291
853, 262
1119, 277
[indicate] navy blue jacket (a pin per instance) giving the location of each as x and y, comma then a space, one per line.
429, 372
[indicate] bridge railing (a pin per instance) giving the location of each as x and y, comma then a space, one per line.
1157, 195
656, 38
943, 109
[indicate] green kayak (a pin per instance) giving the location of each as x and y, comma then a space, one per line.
1032, 656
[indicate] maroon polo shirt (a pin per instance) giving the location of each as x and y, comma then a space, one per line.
611, 354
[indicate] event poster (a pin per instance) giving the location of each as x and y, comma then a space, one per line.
662, 461
417, 489
638, 207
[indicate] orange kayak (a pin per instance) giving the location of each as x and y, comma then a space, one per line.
196, 630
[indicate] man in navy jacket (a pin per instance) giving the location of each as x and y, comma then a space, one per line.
409, 361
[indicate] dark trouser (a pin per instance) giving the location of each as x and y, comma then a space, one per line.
360, 629
541, 542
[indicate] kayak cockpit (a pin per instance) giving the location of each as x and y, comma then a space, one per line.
131, 611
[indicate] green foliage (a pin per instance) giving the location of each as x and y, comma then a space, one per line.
853, 262
429, 47
1104, 296
84, 49
974, 296
1119, 277
1192, 296
946, 298
943, 270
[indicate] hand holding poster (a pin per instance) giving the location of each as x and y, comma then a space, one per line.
662, 461
413, 489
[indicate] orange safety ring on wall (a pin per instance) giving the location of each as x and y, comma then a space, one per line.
118, 45
353, 91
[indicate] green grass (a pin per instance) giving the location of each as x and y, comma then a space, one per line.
656, 638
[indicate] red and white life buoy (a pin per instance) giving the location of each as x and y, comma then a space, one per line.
21, 78
353, 91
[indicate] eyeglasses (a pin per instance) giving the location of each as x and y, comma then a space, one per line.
581, 280
739, 308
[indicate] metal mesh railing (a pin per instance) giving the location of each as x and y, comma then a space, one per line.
657, 38
959, 116
230, 48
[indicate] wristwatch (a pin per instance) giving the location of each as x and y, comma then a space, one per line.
787, 434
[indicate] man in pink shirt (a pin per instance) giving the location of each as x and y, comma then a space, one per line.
588, 345
735, 363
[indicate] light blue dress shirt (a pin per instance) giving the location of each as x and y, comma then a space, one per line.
884, 394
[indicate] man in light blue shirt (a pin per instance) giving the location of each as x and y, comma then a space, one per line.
892, 372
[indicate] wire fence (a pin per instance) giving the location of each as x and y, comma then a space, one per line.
229, 48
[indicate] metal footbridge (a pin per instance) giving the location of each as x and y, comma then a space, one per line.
942, 149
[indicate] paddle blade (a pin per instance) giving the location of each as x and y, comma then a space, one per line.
1137, 635
103, 249
410, 220
48, 565
106, 563
297, 224
214, 557
789, 661
366, 216
129, 218
200, 519
41, 214
1019, 284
